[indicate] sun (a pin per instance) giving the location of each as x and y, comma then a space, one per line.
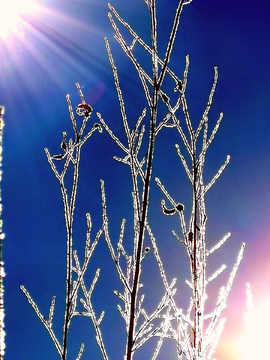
255, 343
11, 11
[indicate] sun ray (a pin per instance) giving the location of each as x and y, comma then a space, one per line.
11, 11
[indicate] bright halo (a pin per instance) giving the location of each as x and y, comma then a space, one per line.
255, 343
10, 11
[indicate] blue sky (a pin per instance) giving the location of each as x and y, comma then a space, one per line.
61, 42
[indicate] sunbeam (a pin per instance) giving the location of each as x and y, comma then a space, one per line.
11, 11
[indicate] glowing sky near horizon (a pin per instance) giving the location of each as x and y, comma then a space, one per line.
246, 333
251, 340
255, 341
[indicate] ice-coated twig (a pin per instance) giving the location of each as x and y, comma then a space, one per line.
108, 240
165, 192
140, 211
51, 311
220, 171
123, 314
191, 340
181, 213
142, 74
88, 253
141, 42
139, 308
182, 134
142, 334
119, 295
170, 114
235, 268
212, 136
118, 89
222, 300
171, 41
177, 237
70, 157
187, 119
88, 234
80, 352
109, 131
216, 274
71, 114
180, 317
218, 245
189, 310
182, 158
120, 248
147, 326
141, 134
158, 259
162, 271
189, 284
92, 287
197, 345
91, 313
215, 339
45, 322
100, 317
185, 75
163, 334
204, 118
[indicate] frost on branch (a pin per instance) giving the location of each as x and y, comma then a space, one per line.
194, 333
205, 328
140, 325
70, 158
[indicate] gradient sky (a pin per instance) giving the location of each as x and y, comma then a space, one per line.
59, 43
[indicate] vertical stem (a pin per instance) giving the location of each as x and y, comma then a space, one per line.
198, 261
195, 250
146, 188
69, 214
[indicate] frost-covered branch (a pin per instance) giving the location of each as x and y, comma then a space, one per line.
201, 344
70, 157
46, 323
195, 333
140, 166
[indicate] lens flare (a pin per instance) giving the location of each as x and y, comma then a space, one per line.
254, 344
11, 11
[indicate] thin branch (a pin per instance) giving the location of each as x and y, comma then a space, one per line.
109, 131
51, 311
46, 323
220, 171
216, 274
212, 136
142, 43
108, 240
171, 41
142, 74
208, 107
96, 322
182, 158
218, 245
80, 352
118, 89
